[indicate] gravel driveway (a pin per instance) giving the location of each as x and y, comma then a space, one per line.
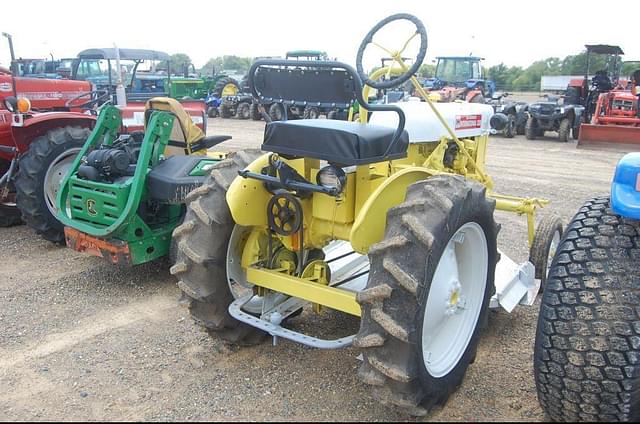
83, 340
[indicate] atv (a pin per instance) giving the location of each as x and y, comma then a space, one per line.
510, 117
554, 115
390, 221
124, 193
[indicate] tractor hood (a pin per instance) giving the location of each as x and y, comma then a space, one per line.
625, 188
465, 119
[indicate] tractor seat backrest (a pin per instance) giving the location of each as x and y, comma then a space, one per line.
184, 131
322, 84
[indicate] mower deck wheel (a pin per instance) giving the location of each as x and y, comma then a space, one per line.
546, 241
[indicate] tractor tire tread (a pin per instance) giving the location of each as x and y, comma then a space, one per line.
29, 185
201, 254
391, 301
587, 351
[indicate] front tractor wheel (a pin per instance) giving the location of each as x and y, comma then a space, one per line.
203, 244
40, 175
428, 293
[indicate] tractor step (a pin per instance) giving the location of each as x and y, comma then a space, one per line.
276, 330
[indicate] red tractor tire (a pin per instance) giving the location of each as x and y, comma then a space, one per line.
41, 167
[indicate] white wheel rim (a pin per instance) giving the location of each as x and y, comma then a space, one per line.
56, 172
555, 241
236, 275
455, 299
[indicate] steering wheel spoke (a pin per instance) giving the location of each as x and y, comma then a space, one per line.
395, 55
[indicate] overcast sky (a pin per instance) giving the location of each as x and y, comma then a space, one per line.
513, 32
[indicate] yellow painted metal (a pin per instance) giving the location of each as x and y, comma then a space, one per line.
216, 155
331, 297
247, 198
371, 220
337, 209
359, 214
229, 90
521, 206
317, 271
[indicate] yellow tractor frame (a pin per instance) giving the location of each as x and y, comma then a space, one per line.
358, 215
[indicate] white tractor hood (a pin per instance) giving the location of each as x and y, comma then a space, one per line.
465, 119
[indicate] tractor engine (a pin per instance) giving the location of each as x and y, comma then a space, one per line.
108, 163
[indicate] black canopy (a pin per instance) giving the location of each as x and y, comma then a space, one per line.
603, 49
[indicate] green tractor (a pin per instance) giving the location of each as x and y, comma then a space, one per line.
125, 194
189, 85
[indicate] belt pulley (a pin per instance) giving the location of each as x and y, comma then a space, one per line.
284, 213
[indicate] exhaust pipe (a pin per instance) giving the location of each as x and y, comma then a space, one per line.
499, 121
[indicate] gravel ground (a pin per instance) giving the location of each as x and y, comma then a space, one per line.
83, 340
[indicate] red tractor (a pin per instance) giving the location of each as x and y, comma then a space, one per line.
42, 131
611, 110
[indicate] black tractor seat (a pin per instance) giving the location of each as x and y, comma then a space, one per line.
339, 142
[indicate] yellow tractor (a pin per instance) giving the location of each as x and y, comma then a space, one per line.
389, 219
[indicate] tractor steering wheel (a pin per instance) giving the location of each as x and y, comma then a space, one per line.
395, 55
97, 96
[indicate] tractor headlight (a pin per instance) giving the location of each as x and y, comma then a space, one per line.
24, 105
332, 177
11, 104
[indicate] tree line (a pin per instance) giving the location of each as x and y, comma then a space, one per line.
512, 78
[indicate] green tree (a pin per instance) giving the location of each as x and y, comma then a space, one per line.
427, 70
226, 63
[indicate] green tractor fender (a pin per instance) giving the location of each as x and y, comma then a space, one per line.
105, 132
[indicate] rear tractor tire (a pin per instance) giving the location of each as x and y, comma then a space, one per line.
226, 86
39, 175
587, 352
201, 261
428, 293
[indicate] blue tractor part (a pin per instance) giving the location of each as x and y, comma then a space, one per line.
625, 188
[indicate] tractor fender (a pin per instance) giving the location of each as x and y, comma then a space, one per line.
371, 221
625, 197
39, 124
248, 198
